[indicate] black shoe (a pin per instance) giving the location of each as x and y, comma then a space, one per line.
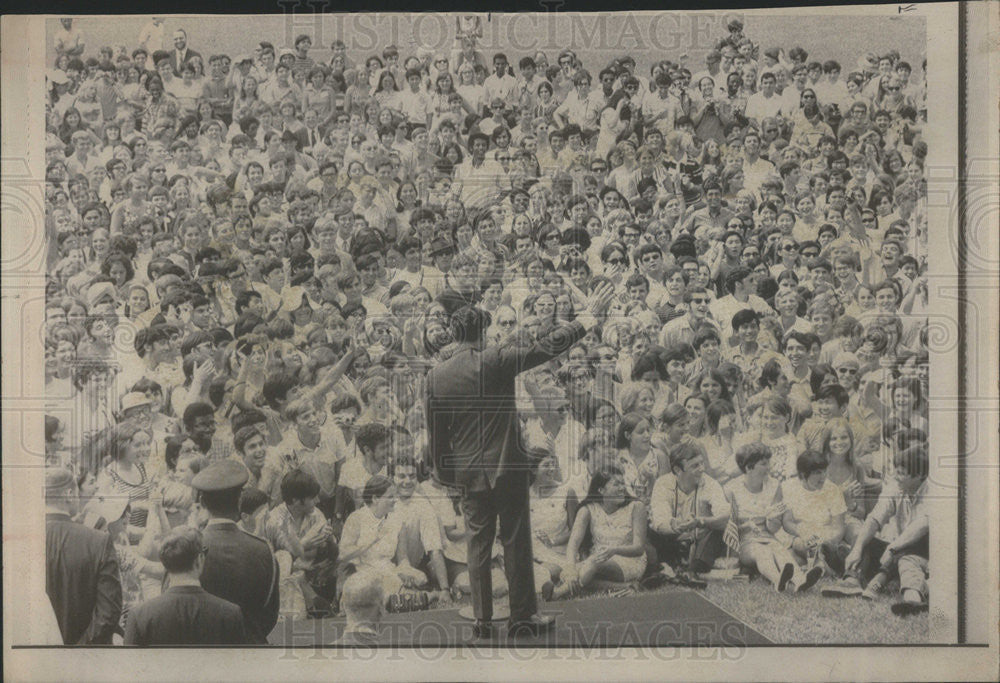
786, 576
654, 581
532, 626
812, 576
482, 630
688, 580
905, 608
321, 609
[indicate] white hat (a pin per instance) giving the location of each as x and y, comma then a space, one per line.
98, 291
134, 399
104, 510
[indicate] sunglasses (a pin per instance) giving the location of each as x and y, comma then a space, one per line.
615, 261
699, 301
790, 247
506, 323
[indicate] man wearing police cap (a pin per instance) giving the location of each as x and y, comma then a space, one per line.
239, 567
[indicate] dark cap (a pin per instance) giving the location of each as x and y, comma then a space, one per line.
58, 479
220, 476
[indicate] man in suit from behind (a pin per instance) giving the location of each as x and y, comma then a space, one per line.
81, 567
363, 603
185, 613
239, 567
476, 446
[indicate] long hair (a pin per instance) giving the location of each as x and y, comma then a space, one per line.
598, 481
623, 435
834, 424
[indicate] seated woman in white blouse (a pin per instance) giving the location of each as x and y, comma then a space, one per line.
758, 509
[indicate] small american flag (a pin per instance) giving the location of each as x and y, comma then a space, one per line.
731, 535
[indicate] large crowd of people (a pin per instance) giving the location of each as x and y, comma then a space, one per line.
254, 260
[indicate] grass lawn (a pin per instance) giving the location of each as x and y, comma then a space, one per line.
811, 618
808, 618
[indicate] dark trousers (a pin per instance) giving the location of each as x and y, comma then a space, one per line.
698, 555
508, 500
871, 558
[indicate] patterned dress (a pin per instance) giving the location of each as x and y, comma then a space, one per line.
616, 529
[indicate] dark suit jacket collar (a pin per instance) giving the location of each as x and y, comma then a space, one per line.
53, 516
185, 589
220, 523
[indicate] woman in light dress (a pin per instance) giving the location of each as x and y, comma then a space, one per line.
617, 525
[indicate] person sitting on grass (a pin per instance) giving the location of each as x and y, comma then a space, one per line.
689, 511
815, 514
420, 540
617, 524
553, 508
860, 491
895, 536
370, 540
299, 527
758, 509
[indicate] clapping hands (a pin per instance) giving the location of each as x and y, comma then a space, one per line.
600, 298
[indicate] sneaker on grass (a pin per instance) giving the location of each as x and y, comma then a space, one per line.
875, 588
845, 588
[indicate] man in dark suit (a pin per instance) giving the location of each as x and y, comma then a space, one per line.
81, 567
181, 54
363, 602
476, 446
185, 614
239, 567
